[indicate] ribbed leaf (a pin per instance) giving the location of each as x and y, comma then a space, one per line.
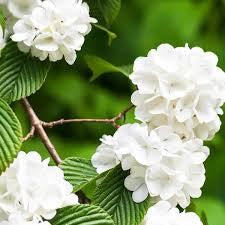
82, 215
79, 172
100, 66
10, 136
113, 197
20, 74
105, 11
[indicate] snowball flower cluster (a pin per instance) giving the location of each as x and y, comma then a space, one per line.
163, 213
160, 162
54, 29
19, 8
181, 87
31, 191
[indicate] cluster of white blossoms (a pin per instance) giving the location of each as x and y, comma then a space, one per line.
180, 87
179, 96
49, 29
54, 29
161, 164
31, 191
163, 213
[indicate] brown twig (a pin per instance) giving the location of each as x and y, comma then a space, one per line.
112, 121
38, 128
30, 134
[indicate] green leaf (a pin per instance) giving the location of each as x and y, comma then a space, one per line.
10, 136
99, 66
79, 172
111, 35
20, 74
2, 18
113, 197
89, 189
105, 11
82, 215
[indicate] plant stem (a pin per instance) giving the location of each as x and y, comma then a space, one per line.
37, 123
38, 128
112, 121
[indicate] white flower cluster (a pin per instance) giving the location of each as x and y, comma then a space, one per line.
180, 87
50, 28
163, 213
31, 191
160, 162
179, 98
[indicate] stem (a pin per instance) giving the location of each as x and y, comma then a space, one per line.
37, 126
30, 134
64, 121
112, 121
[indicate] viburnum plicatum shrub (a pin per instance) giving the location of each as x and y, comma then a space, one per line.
147, 172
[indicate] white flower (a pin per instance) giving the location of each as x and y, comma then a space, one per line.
136, 182
182, 85
163, 214
54, 29
19, 8
105, 157
161, 164
34, 189
2, 39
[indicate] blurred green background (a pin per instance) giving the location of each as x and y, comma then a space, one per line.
140, 26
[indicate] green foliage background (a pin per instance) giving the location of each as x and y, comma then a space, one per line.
140, 26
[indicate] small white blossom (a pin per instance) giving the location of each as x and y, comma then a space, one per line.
34, 189
135, 182
105, 157
161, 164
2, 39
181, 85
163, 214
54, 29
